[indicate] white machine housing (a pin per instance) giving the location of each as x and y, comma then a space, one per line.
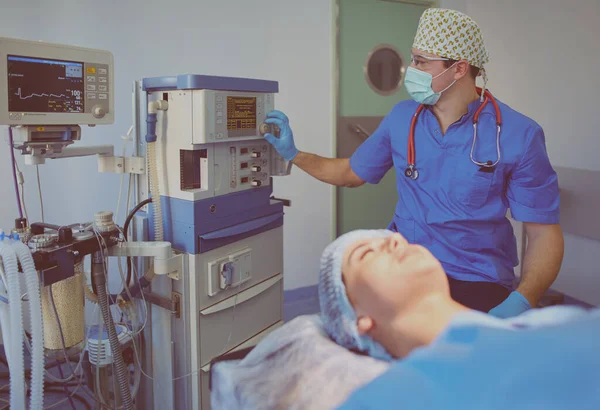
216, 173
220, 161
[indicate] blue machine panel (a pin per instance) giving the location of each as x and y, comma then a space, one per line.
200, 226
208, 82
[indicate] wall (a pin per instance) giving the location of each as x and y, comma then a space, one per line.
283, 40
538, 66
544, 64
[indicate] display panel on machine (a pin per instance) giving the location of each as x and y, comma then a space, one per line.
241, 114
45, 85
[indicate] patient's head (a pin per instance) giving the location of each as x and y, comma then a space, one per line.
369, 280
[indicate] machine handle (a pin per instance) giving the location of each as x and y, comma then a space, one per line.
286, 202
243, 296
241, 228
360, 131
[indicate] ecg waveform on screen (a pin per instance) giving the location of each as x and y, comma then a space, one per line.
18, 94
40, 86
36, 100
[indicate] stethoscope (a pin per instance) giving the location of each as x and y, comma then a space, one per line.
412, 172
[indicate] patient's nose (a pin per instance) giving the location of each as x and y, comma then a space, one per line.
396, 241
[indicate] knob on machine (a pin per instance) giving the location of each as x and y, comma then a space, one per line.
265, 128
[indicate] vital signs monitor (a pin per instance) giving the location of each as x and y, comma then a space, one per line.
52, 84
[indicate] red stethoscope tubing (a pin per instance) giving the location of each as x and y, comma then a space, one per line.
411, 170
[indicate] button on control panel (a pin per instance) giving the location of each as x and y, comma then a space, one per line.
97, 89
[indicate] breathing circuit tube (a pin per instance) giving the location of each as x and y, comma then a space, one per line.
37, 329
16, 357
115, 345
151, 138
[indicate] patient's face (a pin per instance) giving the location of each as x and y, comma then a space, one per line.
384, 276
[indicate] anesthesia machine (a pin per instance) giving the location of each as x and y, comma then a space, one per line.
202, 243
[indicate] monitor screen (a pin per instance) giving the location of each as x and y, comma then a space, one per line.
45, 85
241, 113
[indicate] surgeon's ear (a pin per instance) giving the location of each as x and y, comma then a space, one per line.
462, 69
364, 324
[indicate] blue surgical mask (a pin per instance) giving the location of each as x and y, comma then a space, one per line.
418, 85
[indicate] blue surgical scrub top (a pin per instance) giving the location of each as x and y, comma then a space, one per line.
455, 209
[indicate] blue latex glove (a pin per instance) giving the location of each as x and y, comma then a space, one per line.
513, 305
285, 143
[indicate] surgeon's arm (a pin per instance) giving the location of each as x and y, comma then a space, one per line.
542, 261
335, 171
369, 163
534, 200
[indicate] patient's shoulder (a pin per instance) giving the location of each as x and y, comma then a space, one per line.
534, 318
552, 316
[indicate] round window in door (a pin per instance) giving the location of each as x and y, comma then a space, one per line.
384, 69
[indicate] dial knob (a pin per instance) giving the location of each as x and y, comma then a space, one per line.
256, 168
256, 154
256, 183
98, 111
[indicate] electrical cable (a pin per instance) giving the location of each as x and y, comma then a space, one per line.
21, 181
103, 299
14, 170
72, 394
62, 336
126, 228
123, 280
77, 397
48, 366
125, 140
127, 204
65, 386
50, 375
137, 353
37, 170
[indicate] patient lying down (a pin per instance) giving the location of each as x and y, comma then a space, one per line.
385, 297
380, 297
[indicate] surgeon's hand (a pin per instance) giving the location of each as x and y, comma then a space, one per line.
285, 143
513, 305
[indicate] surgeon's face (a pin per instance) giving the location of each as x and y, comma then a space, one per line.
442, 75
386, 276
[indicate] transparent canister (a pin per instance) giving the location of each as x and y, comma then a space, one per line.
279, 166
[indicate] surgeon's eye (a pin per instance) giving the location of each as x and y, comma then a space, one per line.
420, 62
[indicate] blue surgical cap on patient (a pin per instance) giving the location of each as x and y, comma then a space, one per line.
338, 315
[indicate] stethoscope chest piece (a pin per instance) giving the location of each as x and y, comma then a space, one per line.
411, 172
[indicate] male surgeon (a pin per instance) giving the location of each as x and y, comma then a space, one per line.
455, 186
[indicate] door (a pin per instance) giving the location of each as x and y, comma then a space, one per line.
374, 38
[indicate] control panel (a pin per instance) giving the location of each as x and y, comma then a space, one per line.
220, 169
213, 138
51, 84
249, 165
223, 116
